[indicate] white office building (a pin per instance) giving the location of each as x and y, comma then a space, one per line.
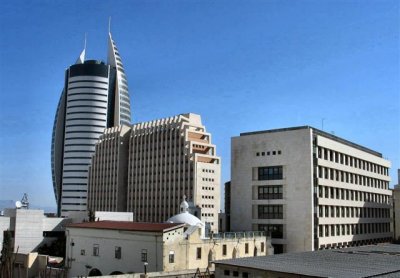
311, 190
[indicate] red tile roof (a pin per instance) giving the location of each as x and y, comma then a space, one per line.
126, 226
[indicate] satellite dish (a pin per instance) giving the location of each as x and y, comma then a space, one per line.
18, 204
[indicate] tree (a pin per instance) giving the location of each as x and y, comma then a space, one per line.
6, 255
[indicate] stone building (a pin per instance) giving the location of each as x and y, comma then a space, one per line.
309, 189
149, 167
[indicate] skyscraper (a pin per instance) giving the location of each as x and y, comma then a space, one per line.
95, 97
149, 168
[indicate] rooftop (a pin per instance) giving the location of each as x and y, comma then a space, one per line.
318, 132
355, 262
127, 226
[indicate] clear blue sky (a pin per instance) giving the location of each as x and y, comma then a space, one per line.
242, 65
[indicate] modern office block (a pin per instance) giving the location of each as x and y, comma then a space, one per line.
311, 190
396, 208
169, 159
95, 97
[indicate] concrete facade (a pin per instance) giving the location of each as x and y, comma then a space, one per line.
124, 247
396, 208
30, 228
167, 159
309, 189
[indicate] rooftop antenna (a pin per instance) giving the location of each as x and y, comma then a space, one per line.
24, 202
322, 123
109, 25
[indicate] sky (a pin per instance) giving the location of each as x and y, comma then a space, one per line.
242, 65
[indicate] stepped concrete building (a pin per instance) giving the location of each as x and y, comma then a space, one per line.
168, 159
309, 189
95, 97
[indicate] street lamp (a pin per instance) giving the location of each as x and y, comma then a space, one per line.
145, 267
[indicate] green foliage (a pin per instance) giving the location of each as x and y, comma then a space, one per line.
56, 248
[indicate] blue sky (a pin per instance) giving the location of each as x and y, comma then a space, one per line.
242, 65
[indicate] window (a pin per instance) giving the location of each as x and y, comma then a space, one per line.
226, 272
262, 246
270, 192
83, 252
270, 173
235, 273
171, 257
245, 275
96, 250
144, 255
198, 253
246, 248
118, 252
224, 250
270, 211
274, 230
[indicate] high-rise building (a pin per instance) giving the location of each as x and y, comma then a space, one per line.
309, 189
169, 159
95, 97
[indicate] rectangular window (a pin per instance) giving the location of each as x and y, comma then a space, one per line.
83, 252
144, 255
262, 247
96, 250
270, 173
226, 272
235, 273
198, 253
171, 257
273, 230
246, 248
224, 250
270, 211
245, 275
117, 252
270, 192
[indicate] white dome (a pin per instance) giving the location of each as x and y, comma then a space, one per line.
186, 218
184, 206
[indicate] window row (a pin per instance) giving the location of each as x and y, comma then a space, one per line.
268, 153
207, 179
351, 195
270, 173
352, 229
270, 212
270, 192
96, 251
351, 161
207, 188
273, 230
208, 171
342, 176
351, 212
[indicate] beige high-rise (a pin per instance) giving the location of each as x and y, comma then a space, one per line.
167, 159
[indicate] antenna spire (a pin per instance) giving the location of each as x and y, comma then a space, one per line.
109, 25
84, 46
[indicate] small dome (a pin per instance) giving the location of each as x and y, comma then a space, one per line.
184, 206
185, 218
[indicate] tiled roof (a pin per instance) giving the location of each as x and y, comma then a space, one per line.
126, 226
356, 262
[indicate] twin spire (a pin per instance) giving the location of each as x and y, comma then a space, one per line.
81, 58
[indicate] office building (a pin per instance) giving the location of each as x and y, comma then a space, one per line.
396, 208
168, 160
356, 262
95, 97
309, 189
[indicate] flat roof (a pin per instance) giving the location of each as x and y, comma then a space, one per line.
318, 132
126, 226
364, 261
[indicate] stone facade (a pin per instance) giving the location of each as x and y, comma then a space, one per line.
149, 168
309, 189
